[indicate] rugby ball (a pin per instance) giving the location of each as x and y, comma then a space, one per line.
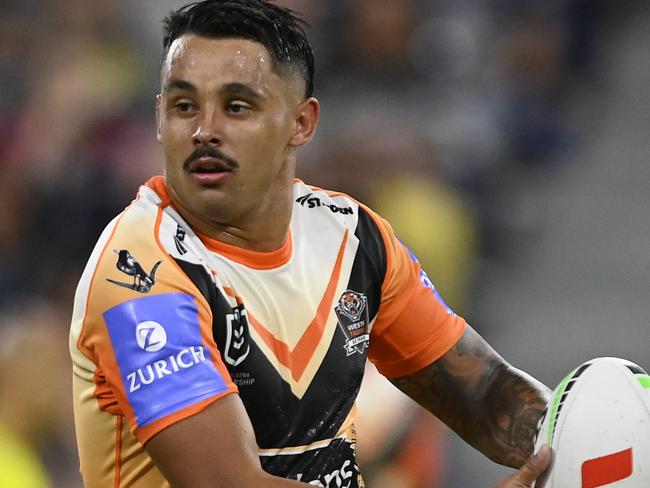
598, 424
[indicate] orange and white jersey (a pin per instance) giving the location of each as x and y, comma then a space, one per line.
167, 320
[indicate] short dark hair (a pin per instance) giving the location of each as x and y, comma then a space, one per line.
280, 30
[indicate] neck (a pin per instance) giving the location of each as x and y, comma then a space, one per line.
263, 230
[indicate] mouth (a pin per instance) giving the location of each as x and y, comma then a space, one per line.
208, 170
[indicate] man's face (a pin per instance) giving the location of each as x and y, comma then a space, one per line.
227, 124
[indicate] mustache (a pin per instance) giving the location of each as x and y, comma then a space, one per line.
212, 153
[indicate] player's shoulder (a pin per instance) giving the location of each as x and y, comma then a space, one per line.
324, 201
310, 196
313, 197
134, 231
319, 204
129, 259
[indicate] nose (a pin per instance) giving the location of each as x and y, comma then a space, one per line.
207, 133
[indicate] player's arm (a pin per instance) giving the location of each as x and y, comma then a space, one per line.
215, 448
492, 405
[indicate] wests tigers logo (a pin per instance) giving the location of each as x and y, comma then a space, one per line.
352, 312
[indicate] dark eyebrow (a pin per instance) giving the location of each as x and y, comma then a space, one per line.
178, 84
241, 89
228, 89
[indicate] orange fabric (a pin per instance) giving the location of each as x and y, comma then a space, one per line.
104, 394
422, 333
252, 259
105, 359
331, 193
157, 184
413, 328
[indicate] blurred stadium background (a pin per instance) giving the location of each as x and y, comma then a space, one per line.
507, 141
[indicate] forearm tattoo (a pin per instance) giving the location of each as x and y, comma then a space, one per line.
490, 404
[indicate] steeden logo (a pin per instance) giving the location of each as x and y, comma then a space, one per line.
151, 336
312, 201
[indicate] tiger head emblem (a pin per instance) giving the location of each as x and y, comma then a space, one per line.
352, 305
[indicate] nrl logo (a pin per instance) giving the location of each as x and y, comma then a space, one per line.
352, 312
237, 337
142, 281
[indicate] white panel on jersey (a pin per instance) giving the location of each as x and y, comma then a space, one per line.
285, 300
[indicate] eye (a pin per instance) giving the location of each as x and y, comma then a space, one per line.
183, 106
238, 107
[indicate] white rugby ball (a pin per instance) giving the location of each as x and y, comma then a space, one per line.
598, 424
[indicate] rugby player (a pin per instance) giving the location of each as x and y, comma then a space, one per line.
224, 318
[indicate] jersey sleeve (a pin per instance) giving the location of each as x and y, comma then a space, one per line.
148, 331
414, 327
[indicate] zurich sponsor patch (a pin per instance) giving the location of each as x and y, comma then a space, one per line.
163, 363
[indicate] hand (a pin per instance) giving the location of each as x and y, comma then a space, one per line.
529, 472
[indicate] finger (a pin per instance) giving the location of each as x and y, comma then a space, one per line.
534, 467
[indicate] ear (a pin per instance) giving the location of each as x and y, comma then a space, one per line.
158, 121
306, 120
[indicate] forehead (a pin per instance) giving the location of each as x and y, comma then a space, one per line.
205, 61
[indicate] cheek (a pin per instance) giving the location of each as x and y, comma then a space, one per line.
272, 136
266, 152
174, 138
